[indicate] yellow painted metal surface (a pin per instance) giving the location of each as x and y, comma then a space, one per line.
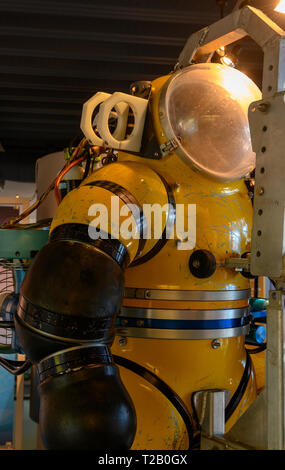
144, 184
139, 180
224, 214
223, 226
259, 361
75, 208
223, 221
186, 366
184, 305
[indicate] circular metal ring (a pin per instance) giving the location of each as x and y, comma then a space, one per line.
202, 295
73, 359
167, 129
154, 333
169, 314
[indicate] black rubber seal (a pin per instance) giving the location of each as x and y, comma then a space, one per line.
237, 396
163, 239
79, 232
162, 386
127, 199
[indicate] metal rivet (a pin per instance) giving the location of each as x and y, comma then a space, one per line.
216, 343
147, 293
263, 107
122, 341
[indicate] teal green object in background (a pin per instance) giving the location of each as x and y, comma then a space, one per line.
257, 304
15, 244
7, 404
22, 243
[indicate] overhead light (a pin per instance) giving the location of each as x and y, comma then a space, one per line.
280, 7
226, 60
221, 51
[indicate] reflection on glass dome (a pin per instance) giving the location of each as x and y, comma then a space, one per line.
206, 106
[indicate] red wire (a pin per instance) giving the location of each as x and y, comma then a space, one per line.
61, 175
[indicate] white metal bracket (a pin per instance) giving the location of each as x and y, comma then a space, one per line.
121, 102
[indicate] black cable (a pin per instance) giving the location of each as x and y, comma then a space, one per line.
14, 363
75, 141
195, 415
237, 396
163, 388
222, 4
15, 367
7, 324
87, 166
272, 281
38, 224
261, 348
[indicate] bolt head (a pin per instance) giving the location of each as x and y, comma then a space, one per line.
260, 191
122, 341
216, 343
263, 107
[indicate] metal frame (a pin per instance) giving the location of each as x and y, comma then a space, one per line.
263, 424
247, 21
266, 120
200, 48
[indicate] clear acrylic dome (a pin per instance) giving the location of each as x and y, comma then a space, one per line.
206, 107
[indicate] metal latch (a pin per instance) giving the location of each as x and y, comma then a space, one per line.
168, 147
